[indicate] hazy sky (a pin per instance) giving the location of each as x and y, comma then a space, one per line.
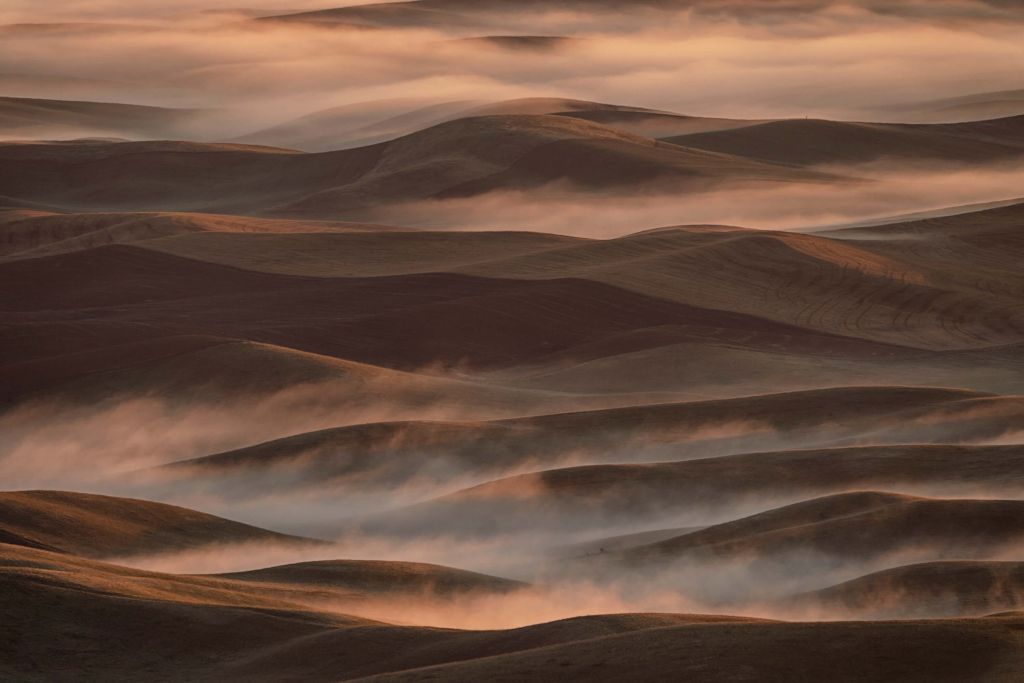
840, 59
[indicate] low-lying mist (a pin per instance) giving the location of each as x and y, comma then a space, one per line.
883, 190
562, 554
383, 451
67, 438
782, 586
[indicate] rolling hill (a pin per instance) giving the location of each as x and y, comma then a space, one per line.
367, 123
462, 157
392, 453
104, 526
694, 492
378, 577
809, 142
930, 589
226, 632
28, 118
862, 525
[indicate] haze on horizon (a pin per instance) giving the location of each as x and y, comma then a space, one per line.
821, 59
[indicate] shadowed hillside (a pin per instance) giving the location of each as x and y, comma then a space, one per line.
458, 158
930, 589
811, 142
102, 526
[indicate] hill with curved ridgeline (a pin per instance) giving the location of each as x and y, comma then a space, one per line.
955, 290
930, 589
356, 125
842, 307
884, 289
32, 118
233, 633
859, 526
395, 453
372, 319
462, 157
809, 142
443, 13
691, 492
30, 234
104, 526
377, 577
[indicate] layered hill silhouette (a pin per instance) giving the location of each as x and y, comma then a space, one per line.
29, 234
455, 14
440, 13
355, 125
857, 281
272, 637
104, 526
409, 14
930, 589
847, 293
990, 228
804, 141
974, 107
391, 453
29, 118
207, 372
372, 319
464, 157
862, 525
521, 43
686, 492
812, 142
377, 577
349, 126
